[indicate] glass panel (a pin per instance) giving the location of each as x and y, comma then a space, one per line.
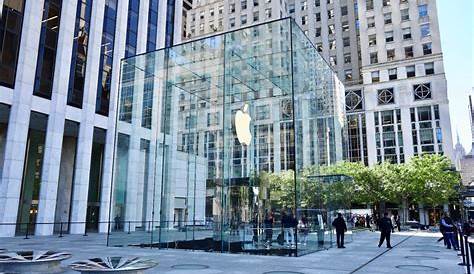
30, 186
4, 116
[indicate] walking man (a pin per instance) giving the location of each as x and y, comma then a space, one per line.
341, 228
449, 228
386, 228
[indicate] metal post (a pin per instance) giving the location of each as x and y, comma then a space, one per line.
468, 265
61, 230
85, 229
27, 230
128, 227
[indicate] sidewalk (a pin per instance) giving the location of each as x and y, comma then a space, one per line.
413, 252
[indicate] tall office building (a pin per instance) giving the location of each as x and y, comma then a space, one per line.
387, 52
59, 78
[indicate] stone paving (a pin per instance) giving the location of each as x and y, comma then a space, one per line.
413, 252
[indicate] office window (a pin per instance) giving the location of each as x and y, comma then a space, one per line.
345, 26
348, 74
201, 15
372, 40
409, 52
291, 8
385, 96
330, 14
317, 3
392, 74
318, 32
47, 48
346, 42
427, 49
304, 20
232, 22
386, 3
318, 16
255, 3
369, 5
410, 71
79, 53
388, 36
232, 8
425, 30
344, 10
374, 58
347, 58
152, 24
332, 44
429, 68
255, 16
268, 13
422, 11
11, 22
422, 91
387, 17
354, 100
390, 54
331, 29
211, 12
319, 47
243, 5
375, 76
106, 57
243, 19
304, 5
406, 33
221, 9
405, 15
333, 60
370, 22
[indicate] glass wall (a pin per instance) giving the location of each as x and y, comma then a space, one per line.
233, 135
4, 116
31, 182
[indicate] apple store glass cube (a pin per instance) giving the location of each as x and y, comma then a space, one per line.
214, 140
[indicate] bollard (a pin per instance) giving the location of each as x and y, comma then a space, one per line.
128, 227
61, 230
85, 230
466, 248
27, 230
463, 254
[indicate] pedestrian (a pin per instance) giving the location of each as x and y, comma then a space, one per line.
287, 224
340, 225
367, 220
303, 228
386, 228
398, 222
449, 228
268, 224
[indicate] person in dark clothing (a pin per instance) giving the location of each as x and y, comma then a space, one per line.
449, 228
386, 228
340, 225
268, 224
367, 220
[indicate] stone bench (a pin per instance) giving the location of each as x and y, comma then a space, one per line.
128, 265
32, 262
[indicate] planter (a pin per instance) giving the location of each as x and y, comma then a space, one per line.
113, 265
32, 262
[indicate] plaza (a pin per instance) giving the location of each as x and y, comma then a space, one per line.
418, 250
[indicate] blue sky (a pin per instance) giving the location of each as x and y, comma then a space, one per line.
456, 24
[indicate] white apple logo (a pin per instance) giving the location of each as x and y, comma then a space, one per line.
242, 125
